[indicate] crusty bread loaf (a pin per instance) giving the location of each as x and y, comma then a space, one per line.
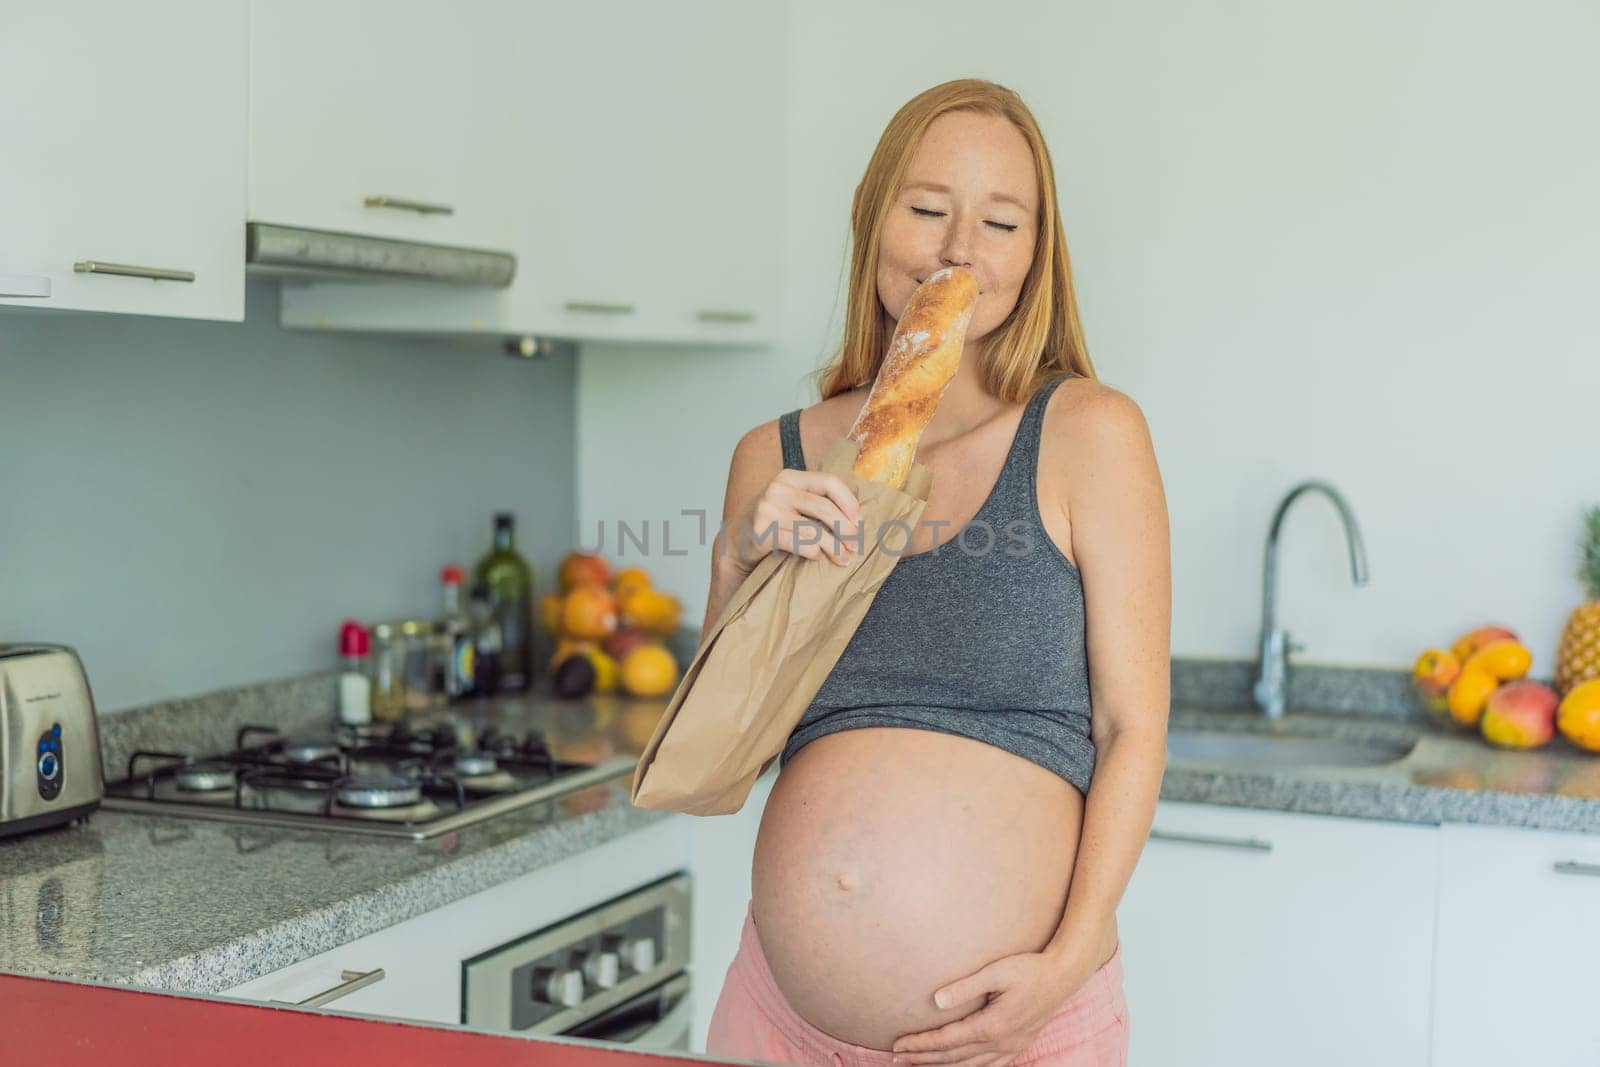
922, 359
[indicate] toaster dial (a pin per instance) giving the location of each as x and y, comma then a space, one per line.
50, 765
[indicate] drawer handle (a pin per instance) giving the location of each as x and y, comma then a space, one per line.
160, 274
709, 315
597, 306
352, 981
1574, 867
1252, 844
400, 203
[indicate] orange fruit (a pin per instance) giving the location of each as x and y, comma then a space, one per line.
649, 671
578, 569
1578, 716
653, 611
550, 613
589, 611
628, 579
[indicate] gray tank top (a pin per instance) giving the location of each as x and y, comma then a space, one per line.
982, 637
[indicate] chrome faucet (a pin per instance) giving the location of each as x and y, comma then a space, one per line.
1272, 682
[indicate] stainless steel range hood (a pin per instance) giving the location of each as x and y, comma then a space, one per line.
323, 255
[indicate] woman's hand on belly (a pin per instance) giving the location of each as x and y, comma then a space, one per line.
1022, 992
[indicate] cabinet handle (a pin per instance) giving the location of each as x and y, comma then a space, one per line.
1253, 844
1574, 867
160, 274
400, 203
708, 315
604, 309
352, 981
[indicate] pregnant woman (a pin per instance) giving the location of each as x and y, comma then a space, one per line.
961, 806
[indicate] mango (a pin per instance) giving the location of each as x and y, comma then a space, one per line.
1435, 669
580, 569
625, 640
1468, 643
1469, 693
1504, 658
568, 647
1520, 714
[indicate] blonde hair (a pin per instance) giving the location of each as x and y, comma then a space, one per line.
1041, 338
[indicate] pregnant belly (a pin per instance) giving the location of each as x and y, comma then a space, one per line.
892, 861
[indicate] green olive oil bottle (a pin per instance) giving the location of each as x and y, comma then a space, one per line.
509, 580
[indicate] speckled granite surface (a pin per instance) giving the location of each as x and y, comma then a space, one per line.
191, 904
208, 722
1447, 776
199, 905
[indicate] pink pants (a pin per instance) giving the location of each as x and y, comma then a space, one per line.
752, 1021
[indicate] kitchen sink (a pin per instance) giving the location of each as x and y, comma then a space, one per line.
1216, 748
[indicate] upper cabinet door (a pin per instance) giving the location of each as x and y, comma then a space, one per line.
721, 175
635, 149
387, 118
123, 146
654, 162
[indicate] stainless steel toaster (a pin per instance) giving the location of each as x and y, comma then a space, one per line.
49, 739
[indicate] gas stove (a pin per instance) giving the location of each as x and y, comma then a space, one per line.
392, 781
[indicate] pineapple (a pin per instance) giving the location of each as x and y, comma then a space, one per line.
1578, 658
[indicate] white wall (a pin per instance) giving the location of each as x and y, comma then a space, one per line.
196, 505
1354, 242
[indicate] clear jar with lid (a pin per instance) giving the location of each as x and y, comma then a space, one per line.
388, 673
422, 686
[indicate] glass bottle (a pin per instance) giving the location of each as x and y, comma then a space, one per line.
388, 677
486, 637
457, 646
355, 682
509, 580
419, 690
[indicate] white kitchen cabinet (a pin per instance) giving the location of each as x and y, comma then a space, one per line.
421, 957
658, 203
385, 117
1518, 941
123, 136
647, 183
1255, 937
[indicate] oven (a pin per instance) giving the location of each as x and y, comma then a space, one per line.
618, 972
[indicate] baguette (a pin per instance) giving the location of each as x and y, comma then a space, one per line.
922, 359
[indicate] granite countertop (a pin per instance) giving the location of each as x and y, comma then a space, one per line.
1450, 775
198, 905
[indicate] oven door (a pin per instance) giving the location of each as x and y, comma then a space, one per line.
657, 1019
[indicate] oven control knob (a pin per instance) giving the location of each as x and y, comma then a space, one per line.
638, 953
562, 986
603, 969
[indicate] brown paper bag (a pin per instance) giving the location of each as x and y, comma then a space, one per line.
775, 642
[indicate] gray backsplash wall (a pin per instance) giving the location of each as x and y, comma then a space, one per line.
195, 505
